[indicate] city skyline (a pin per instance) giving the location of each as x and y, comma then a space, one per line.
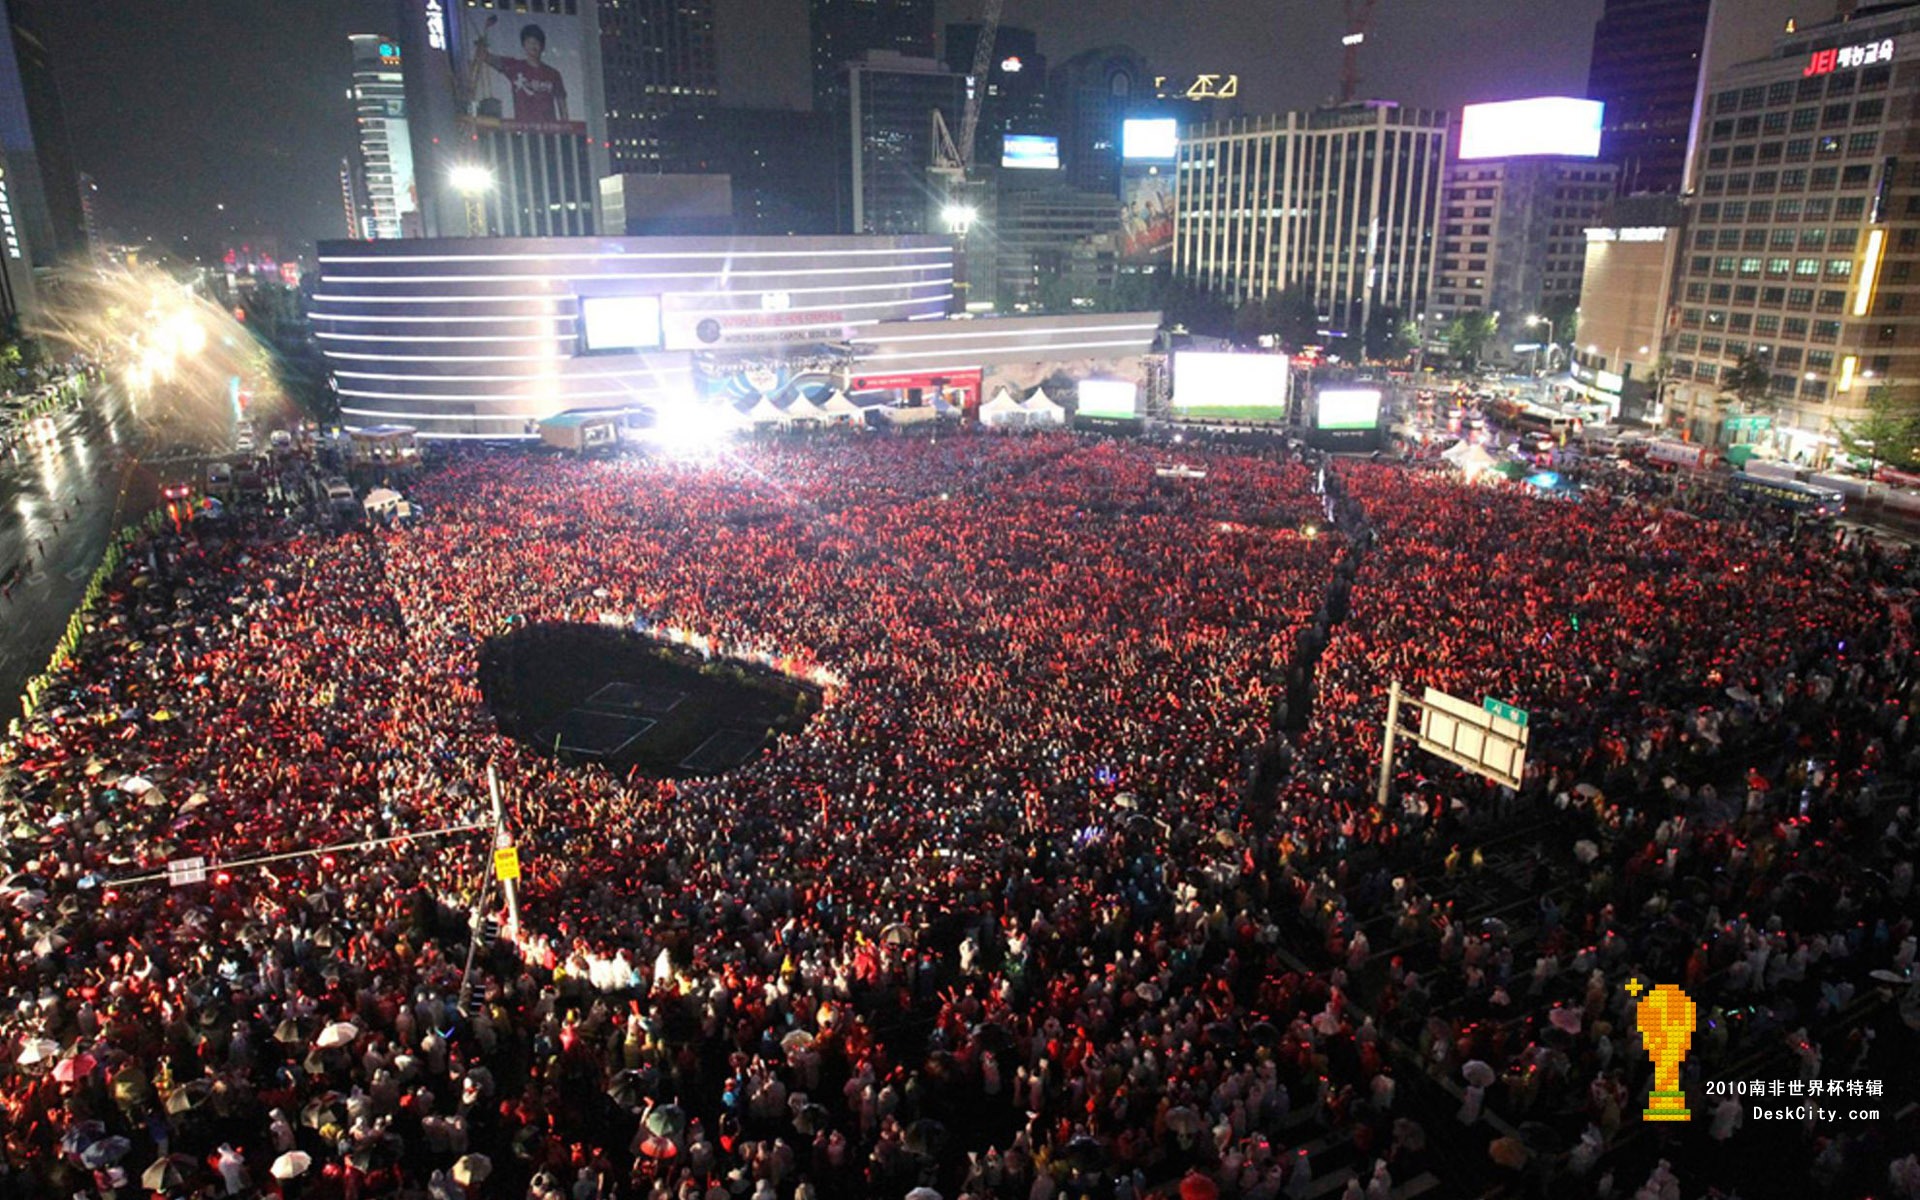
273, 123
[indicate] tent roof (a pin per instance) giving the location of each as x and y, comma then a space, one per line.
838, 403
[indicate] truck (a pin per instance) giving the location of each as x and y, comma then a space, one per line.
1685, 455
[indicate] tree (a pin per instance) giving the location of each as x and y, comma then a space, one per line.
1468, 334
1889, 433
1564, 312
1747, 382
1390, 336
1296, 317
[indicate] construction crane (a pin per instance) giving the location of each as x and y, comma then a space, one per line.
953, 157
1359, 24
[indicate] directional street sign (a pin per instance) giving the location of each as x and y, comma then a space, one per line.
506, 862
1505, 711
183, 871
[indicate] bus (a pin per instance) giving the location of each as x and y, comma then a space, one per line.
1786, 494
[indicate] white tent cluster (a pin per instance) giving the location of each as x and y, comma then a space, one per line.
836, 409
1004, 412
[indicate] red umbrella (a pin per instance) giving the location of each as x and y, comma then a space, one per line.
74, 1068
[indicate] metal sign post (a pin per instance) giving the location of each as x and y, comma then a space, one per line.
506, 859
1489, 739
1386, 750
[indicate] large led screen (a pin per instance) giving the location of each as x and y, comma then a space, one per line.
613, 323
1562, 126
1348, 408
1030, 152
1230, 387
1107, 398
1153, 138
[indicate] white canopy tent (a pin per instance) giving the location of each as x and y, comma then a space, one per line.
839, 408
803, 409
1002, 410
766, 412
1469, 459
1041, 410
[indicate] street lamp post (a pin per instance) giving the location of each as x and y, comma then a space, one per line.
1548, 322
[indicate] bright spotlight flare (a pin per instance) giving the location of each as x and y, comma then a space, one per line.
471, 179
692, 430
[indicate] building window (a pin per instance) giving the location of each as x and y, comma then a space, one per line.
1755, 239
1720, 293
1766, 325
1696, 293
1690, 318
1764, 181
1773, 295
1749, 126
1843, 239
1710, 212
1706, 372
1734, 210
1714, 185
1832, 301
1835, 114
1793, 179
1774, 122
1786, 210
1799, 300
1780, 93
1750, 267
1710, 345
1687, 343
1787, 356
1778, 267
1862, 143
1739, 323
1819, 360
1848, 208
1729, 239
1825, 177
1803, 120
1745, 293
1806, 266
1783, 384
1752, 98
1810, 88
1781, 239
1717, 157
1810, 239
1826, 331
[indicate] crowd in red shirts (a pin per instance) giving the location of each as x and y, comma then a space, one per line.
1063, 892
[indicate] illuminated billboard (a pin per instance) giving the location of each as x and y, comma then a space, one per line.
1030, 152
1146, 217
530, 72
1561, 126
1230, 387
619, 323
1150, 138
1107, 397
1348, 408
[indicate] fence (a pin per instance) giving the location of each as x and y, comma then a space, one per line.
63, 653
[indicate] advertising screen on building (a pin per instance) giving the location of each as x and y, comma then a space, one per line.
609, 324
1030, 152
1107, 398
1150, 138
528, 71
1348, 408
1230, 387
1562, 126
1146, 217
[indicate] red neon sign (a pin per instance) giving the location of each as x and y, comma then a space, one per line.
1823, 62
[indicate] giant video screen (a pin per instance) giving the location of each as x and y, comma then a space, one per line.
1347, 408
1212, 386
1107, 398
1562, 126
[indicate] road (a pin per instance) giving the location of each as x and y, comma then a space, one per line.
61, 498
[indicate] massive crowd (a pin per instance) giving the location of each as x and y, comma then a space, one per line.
1065, 892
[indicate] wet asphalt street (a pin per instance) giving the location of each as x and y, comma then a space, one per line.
63, 491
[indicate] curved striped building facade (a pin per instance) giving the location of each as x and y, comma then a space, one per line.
478, 337
482, 338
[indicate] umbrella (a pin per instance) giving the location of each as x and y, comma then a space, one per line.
287, 1033
1184, 1121
796, 1041
166, 1173
136, 785
323, 1110
1566, 1020
666, 1121
1478, 1073
923, 1193
74, 1068
80, 1136
1086, 1153
340, 1033
374, 1154
187, 1098
291, 1165
471, 1169
924, 1137
105, 1152
35, 1051
1148, 992
1885, 976
628, 1090
130, 1085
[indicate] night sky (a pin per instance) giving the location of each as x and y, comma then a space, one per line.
179, 106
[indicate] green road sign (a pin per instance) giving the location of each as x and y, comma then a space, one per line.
1505, 711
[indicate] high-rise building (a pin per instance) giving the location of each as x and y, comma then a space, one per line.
1626, 292
1803, 252
1646, 64
1039, 235
658, 58
1520, 196
843, 31
390, 202
891, 100
508, 115
773, 157
350, 198
43, 187
90, 212
1343, 201
1091, 95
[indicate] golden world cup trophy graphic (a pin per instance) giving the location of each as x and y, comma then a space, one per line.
1666, 1019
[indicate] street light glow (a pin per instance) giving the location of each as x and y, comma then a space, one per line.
471, 180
